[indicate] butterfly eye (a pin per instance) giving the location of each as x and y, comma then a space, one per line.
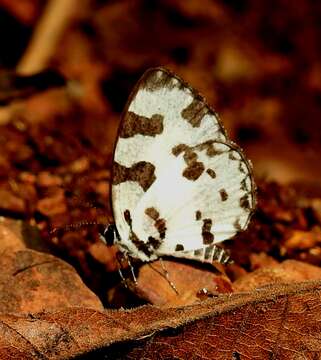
108, 234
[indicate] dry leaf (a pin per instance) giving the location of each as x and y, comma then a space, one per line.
31, 281
10, 234
188, 278
261, 260
280, 322
304, 239
286, 272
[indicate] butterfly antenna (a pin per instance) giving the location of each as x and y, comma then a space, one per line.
71, 227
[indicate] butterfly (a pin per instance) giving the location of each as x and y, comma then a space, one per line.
179, 185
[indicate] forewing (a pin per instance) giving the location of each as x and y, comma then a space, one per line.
172, 159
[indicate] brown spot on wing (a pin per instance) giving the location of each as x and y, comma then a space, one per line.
135, 124
198, 215
194, 168
155, 243
146, 247
232, 156
178, 149
152, 213
140, 245
211, 173
195, 112
190, 156
243, 186
128, 217
208, 237
241, 168
211, 150
223, 194
159, 79
179, 247
199, 252
244, 202
141, 172
152, 243
189, 151
194, 171
160, 225
120, 173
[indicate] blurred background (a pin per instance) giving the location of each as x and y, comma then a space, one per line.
257, 62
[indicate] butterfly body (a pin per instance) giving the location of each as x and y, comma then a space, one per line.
179, 185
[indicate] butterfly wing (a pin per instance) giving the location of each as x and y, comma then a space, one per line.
179, 184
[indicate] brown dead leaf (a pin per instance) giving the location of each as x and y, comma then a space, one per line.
287, 272
46, 179
18, 234
54, 204
316, 208
235, 271
187, 278
10, 235
31, 281
25, 11
105, 255
279, 322
304, 239
10, 202
261, 260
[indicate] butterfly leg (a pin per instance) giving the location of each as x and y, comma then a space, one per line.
166, 275
123, 280
131, 269
121, 257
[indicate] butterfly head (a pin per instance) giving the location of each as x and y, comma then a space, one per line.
108, 234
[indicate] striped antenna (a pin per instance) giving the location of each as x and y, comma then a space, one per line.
76, 226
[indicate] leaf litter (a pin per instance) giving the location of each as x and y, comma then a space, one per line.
56, 152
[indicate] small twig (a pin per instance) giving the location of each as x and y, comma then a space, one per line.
43, 44
47, 34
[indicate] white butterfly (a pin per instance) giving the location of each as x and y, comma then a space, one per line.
179, 185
